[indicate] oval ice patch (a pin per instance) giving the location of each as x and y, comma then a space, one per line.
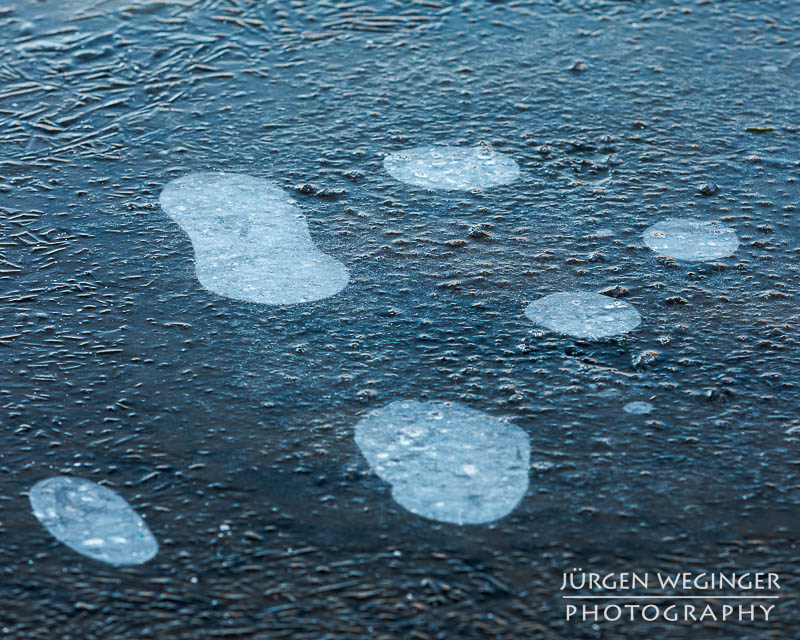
583, 314
687, 239
250, 240
446, 462
92, 520
451, 168
638, 407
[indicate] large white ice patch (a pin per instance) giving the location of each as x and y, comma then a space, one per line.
250, 240
583, 314
451, 167
447, 462
688, 239
92, 520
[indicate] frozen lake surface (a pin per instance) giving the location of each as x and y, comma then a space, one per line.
228, 425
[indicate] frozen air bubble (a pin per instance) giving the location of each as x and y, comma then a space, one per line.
638, 408
583, 314
688, 239
92, 520
460, 465
439, 167
250, 240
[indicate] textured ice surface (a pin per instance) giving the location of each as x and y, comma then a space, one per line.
250, 241
92, 520
638, 407
583, 314
447, 462
451, 167
688, 239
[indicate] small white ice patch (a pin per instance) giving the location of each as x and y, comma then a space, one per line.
688, 239
638, 407
583, 314
92, 520
451, 168
250, 240
446, 462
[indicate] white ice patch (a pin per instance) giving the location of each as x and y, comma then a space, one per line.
250, 240
638, 408
583, 314
446, 462
687, 239
92, 520
451, 167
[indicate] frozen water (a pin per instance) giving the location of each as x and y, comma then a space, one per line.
688, 239
583, 314
440, 167
638, 407
92, 520
445, 461
250, 240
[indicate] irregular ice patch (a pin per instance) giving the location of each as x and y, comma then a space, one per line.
250, 240
638, 408
451, 168
688, 239
583, 314
446, 462
92, 520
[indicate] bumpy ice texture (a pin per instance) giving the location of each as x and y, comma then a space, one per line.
451, 167
583, 314
250, 241
92, 520
446, 462
687, 239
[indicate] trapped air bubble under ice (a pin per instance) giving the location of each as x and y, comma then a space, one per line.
250, 240
92, 520
583, 314
445, 461
452, 168
688, 239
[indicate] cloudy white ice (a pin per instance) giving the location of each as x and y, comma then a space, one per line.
689, 239
250, 240
447, 462
451, 168
92, 520
638, 408
583, 314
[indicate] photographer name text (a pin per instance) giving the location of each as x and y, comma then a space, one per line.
652, 596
